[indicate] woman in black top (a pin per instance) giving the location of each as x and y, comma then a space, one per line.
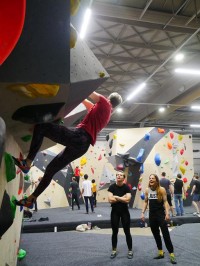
119, 195
156, 196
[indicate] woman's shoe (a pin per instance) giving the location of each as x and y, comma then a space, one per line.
130, 254
22, 165
113, 254
160, 256
173, 259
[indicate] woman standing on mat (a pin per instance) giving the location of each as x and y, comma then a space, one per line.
156, 196
119, 195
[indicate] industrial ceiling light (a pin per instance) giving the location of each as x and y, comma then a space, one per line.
195, 107
119, 110
136, 91
195, 125
161, 109
179, 57
86, 20
187, 71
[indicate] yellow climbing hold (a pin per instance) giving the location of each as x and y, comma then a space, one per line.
74, 5
73, 36
182, 161
182, 168
83, 161
114, 136
34, 90
101, 74
180, 137
122, 144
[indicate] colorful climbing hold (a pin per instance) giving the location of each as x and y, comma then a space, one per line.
101, 74
141, 170
122, 144
10, 167
157, 159
114, 136
169, 145
83, 161
100, 157
182, 169
185, 180
142, 195
74, 6
140, 155
92, 169
73, 36
166, 161
120, 167
161, 130
171, 134
13, 206
139, 187
26, 138
111, 143
21, 254
180, 137
147, 136
26, 177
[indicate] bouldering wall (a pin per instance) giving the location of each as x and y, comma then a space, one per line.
57, 193
11, 187
147, 151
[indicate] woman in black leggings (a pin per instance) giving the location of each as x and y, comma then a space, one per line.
119, 197
156, 196
76, 141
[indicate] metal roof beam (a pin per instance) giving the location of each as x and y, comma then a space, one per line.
131, 16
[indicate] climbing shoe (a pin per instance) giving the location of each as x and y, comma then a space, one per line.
22, 165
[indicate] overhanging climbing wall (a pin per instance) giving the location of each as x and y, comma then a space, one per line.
43, 79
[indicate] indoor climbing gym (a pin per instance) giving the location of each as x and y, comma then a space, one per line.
99, 132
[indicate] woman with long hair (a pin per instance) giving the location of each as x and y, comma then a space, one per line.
156, 196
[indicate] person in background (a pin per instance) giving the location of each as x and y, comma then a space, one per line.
164, 182
36, 185
76, 141
74, 189
87, 193
119, 195
195, 193
179, 192
156, 197
77, 172
94, 191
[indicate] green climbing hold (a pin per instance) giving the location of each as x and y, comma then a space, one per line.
21, 254
13, 206
10, 167
26, 138
27, 177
